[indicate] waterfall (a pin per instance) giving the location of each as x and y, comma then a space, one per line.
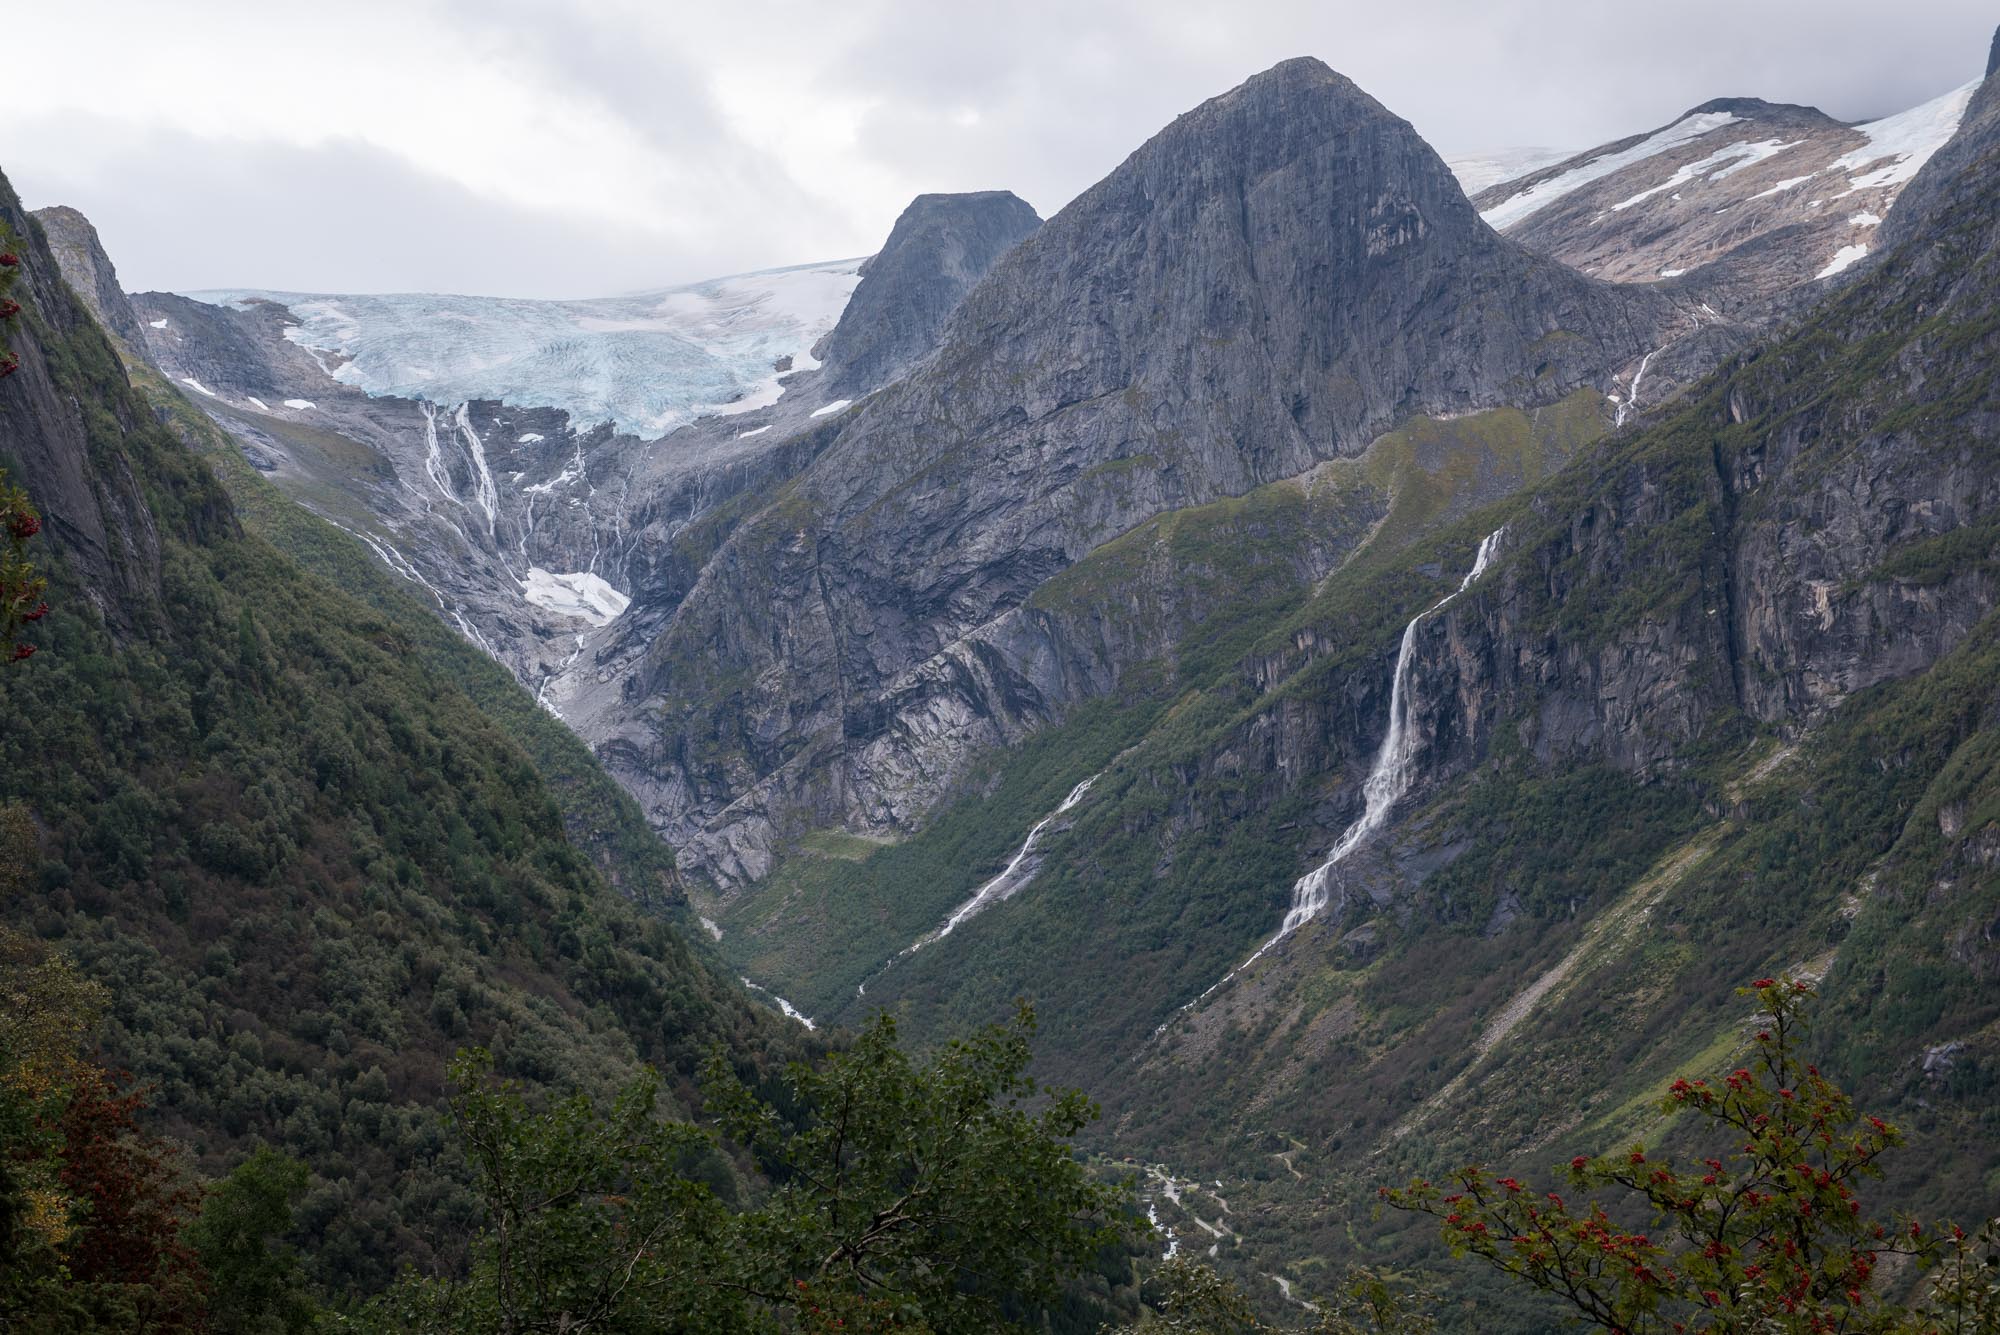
1631, 403
1004, 886
1388, 780
789, 1011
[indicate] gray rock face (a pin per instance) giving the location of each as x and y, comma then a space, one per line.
89, 270
1993, 55
1953, 174
1275, 279
1811, 582
93, 508
939, 248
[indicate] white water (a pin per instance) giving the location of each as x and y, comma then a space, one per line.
790, 1011
483, 490
1388, 780
1631, 403
1006, 885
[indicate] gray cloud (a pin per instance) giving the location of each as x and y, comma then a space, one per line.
1038, 97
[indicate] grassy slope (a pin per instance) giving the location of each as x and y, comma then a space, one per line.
601, 817
1211, 585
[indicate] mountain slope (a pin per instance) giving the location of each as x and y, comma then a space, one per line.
1724, 704
272, 822
1274, 280
939, 248
1745, 202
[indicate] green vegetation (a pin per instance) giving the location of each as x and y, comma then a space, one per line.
1630, 807
601, 817
1768, 1234
904, 1195
277, 827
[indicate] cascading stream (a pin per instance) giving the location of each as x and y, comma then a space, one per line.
1004, 886
1388, 780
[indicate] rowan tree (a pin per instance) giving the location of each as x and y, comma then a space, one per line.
1769, 1234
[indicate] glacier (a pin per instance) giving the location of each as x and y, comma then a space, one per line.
646, 363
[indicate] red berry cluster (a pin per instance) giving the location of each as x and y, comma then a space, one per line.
1769, 1237
10, 362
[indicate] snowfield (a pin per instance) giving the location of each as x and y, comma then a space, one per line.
647, 363
1537, 197
580, 594
1909, 137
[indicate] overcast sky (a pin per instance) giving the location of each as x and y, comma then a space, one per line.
588, 147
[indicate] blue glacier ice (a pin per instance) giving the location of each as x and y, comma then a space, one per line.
647, 363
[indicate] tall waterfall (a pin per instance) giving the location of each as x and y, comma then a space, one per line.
1004, 886
1387, 781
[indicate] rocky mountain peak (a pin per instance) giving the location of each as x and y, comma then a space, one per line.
940, 246
1275, 279
1749, 204
1754, 108
89, 270
1993, 56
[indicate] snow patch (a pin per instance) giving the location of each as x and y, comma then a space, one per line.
301, 404
830, 408
1866, 219
745, 435
1909, 137
1843, 258
1672, 273
198, 387
527, 438
1483, 171
260, 405
159, 324
1789, 183
580, 594
1540, 196
1734, 158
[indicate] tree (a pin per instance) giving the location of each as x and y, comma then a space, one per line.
941, 1191
906, 1196
10, 272
1768, 1235
1197, 1301
254, 1284
21, 588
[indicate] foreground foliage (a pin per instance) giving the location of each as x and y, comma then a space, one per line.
1768, 1235
905, 1195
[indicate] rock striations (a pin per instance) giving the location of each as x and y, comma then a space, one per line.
939, 248
90, 271
1275, 279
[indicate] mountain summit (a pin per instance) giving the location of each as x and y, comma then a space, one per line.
939, 248
1275, 279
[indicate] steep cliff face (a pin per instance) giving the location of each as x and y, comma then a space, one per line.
1724, 705
96, 507
89, 270
1276, 279
939, 248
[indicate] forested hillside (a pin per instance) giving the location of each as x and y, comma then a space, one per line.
278, 823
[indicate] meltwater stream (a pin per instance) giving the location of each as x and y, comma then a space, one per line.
1387, 781
1004, 886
